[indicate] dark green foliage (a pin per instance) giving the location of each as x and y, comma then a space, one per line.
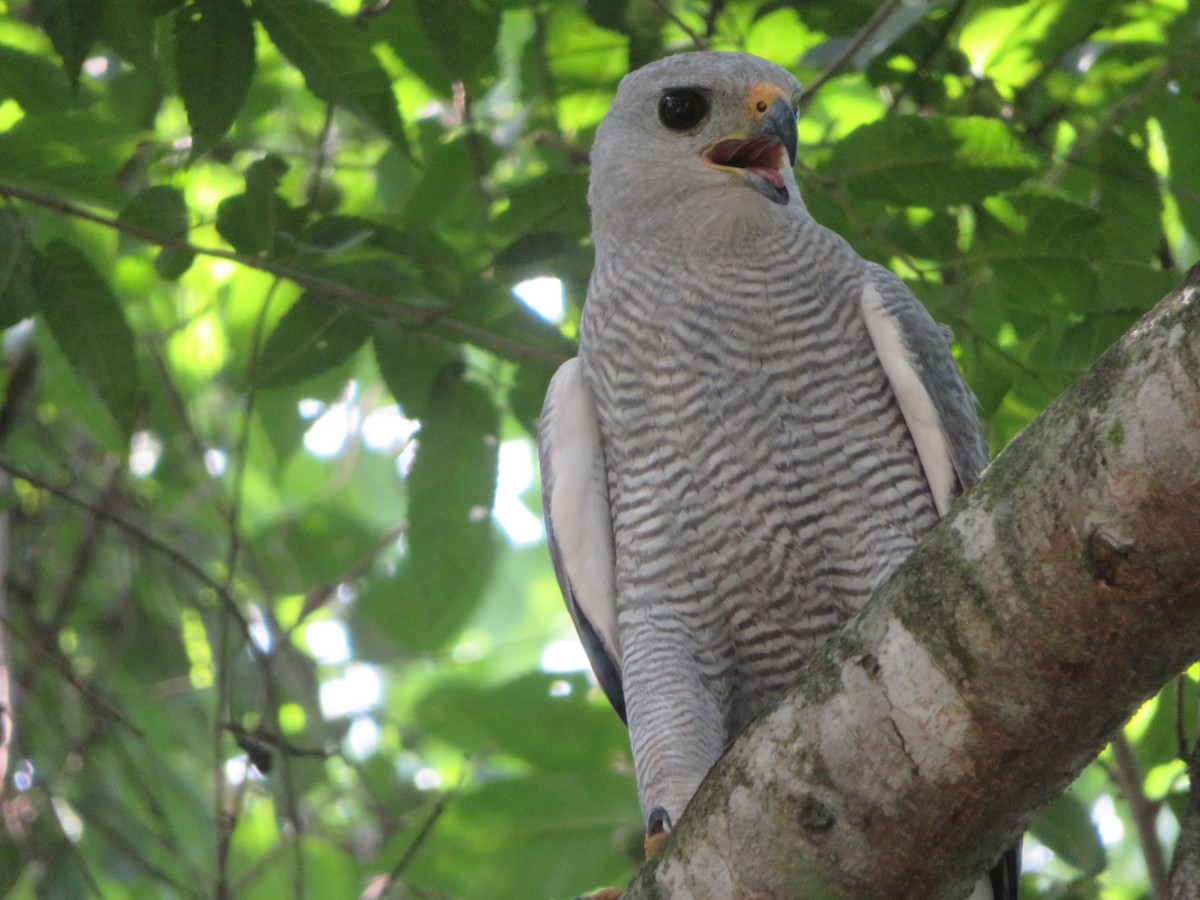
250, 419
335, 59
162, 210
214, 61
87, 321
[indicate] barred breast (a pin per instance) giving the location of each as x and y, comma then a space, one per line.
761, 477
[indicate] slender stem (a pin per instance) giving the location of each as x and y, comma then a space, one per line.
696, 38
1144, 813
418, 841
48, 654
873, 24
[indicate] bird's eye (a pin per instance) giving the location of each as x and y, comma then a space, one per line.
681, 110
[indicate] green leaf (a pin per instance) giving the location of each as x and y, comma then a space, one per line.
1067, 829
88, 324
1177, 115
76, 154
1118, 179
554, 204
1043, 258
162, 209
335, 59
251, 221
37, 84
16, 270
214, 63
463, 34
450, 537
315, 335
546, 834
516, 717
128, 30
73, 26
1160, 742
931, 162
410, 364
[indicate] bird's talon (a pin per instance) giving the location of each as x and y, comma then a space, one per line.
658, 827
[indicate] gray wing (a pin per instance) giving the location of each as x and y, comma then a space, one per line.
579, 522
937, 405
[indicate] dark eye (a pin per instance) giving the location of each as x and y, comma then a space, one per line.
681, 110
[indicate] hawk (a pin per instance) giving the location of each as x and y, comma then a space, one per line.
759, 427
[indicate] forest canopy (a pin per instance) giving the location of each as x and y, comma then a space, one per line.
282, 284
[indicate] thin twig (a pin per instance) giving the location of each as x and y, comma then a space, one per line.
363, 301
423, 833
856, 43
696, 38
63, 668
1144, 812
142, 537
85, 554
71, 846
715, 8
313, 190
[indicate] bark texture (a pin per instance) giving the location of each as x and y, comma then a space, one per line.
1059, 595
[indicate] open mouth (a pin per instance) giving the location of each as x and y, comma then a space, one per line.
761, 157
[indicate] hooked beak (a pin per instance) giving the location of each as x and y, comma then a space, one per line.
759, 156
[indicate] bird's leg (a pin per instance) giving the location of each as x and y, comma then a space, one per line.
658, 827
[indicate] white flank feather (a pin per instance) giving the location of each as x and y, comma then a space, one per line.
579, 512
915, 403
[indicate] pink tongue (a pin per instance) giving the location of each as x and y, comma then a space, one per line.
774, 176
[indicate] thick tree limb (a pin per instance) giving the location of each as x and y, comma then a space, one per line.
995, 664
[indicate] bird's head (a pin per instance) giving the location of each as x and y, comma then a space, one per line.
705, 138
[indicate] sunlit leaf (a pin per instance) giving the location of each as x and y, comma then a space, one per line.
931, 162
335, 59
77, 153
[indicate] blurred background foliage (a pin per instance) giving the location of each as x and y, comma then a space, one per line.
282, 284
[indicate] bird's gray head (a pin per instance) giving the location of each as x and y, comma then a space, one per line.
703, 140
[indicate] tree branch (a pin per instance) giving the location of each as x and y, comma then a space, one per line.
362, 301
991, 668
